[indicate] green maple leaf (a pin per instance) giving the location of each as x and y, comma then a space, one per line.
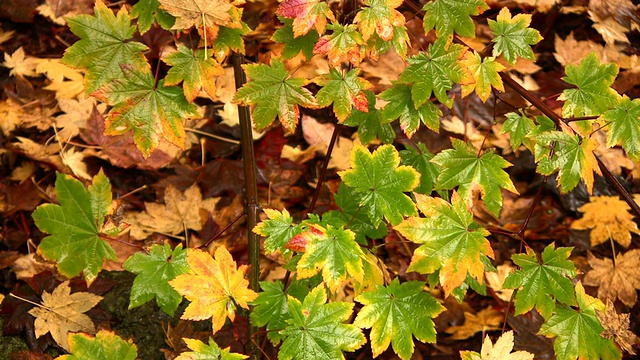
294, 45
420, 159
74, 226
335, 253
105, 346
578, 332
379, 16
593, 94
573, 157
316, 330
483, 74
154, 271
202, 351
146, 11
345, 43
463, 168
543, 283
278, 229
370, 124
344, 91
271, 309
434, 72
352, 217
400, 42
151, 111
448, 16
194, 68
513, 36
104, 46
274, 93
624, 126
518, 126
396, 313
380, 182
400, 105
230, 39
451, 241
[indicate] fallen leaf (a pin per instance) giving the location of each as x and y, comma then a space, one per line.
616, 327
77, 112
495, 279
181, 211
485, 320
319, 135
501, 350
542, 6
6, 35
66, 81
206, 15
615, 280
62, 312
20, 64
608, 217
29, 265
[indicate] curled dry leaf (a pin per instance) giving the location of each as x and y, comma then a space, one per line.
616, 327
615, 280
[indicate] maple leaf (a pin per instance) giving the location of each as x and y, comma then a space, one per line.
105, 346
271, 309
462, 167
206, 15
370, 124
488, 319
380, 16
146, 11
593, 94
380, 181
306, 14
74, 226
518, 127
345, 43
399, 41
332, 251
294, 45
543, 283
180, 211
274, 93
345, 91
195, 69
104, 46
154, 271
278, 229
434, 72
448, 16
229, 39
624, 126
449, 241
578, 332
483, 74
617, 279
20, 64
207, 351
316, 329
400, 105
62, 312
214, 287
616, 327
420, 159
513, 37
151, 110
609, 218
500, 351
396, 313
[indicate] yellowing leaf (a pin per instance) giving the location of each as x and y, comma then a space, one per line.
214, 287
105, 346
615, 280
62, 312
483, 73
500, 351
307, 14
195, 69
608, 217
485, 320
206, 15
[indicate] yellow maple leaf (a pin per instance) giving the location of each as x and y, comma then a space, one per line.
501, 350
20, 64
485, 320
214, 287
608, 218
62, 312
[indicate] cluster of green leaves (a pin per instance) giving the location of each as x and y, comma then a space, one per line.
383, 187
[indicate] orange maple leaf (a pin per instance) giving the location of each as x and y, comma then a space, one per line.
214, 287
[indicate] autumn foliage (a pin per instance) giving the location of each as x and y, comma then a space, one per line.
432, 177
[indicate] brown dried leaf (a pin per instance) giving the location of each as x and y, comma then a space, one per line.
485, 320
617, 280
62, 312
609, 218
616, 327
